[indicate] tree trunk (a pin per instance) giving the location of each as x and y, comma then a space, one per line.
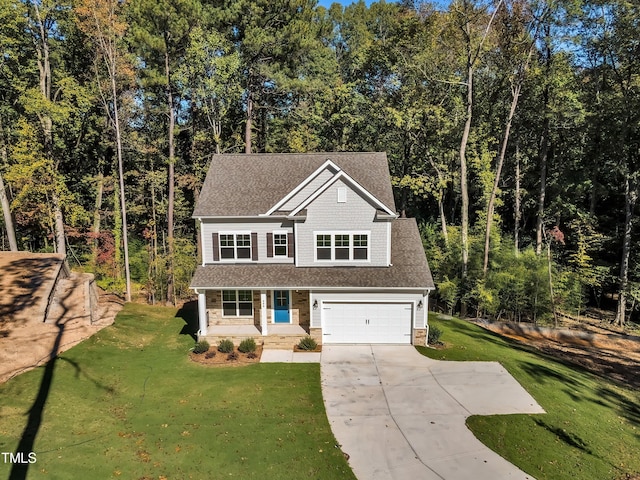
171, 199
551, 293
517, 213
8, 221
96, 217
464, 189
61, 243
45, 79
496, 182
248, 126
6, 207
630, 198
123, 204
544, 144
544, 152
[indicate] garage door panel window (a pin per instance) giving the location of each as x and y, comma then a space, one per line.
237, 303
342, 246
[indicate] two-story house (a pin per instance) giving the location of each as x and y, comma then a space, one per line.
297, 244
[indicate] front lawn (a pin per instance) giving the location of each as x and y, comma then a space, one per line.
592, 426
128, 403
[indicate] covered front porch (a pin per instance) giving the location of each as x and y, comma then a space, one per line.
277, 318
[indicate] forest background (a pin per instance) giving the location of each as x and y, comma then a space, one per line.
511, 126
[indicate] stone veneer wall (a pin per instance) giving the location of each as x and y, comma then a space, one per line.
316, 334
214, 310
300, 314
420, 336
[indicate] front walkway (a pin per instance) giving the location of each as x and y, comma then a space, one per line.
398, 414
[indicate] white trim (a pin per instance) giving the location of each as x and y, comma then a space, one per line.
202, 242
342, 175
389, 244
304, 183
333, 233
295, 243
203, 322
263, 312
273, 306
235, 258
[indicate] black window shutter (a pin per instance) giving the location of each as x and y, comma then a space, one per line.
269, 244
254, 246
216, 248
290, 245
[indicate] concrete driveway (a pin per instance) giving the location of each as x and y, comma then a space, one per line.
399, 415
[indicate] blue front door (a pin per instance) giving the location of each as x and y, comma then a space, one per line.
281, 306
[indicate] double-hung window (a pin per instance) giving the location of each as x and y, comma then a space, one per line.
235, 246
237, 303
280, 245
323, 247
342, 246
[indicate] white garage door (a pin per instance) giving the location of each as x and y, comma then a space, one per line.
366, 322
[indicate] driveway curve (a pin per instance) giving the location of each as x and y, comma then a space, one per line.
398, 414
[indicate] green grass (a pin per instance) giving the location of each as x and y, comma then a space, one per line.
128, 403
592, 426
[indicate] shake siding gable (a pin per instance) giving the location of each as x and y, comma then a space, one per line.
307, 190
356, 214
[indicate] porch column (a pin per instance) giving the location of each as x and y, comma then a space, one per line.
263, 312
202, 312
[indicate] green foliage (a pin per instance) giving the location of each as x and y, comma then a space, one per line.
434, 335
247, 345
307, 343
225, 346
200, 347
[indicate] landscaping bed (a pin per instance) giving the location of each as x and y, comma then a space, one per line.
219, 359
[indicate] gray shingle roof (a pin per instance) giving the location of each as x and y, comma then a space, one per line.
409, 270
249, 185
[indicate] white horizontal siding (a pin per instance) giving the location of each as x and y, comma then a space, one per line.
261, 227
356, 214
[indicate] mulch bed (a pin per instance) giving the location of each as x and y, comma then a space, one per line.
222, 359
298, 349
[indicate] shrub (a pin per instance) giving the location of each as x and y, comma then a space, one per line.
307, 343
232, 356
252, 355
434, 335
200, 347
225, 346
210, 354
247, 345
